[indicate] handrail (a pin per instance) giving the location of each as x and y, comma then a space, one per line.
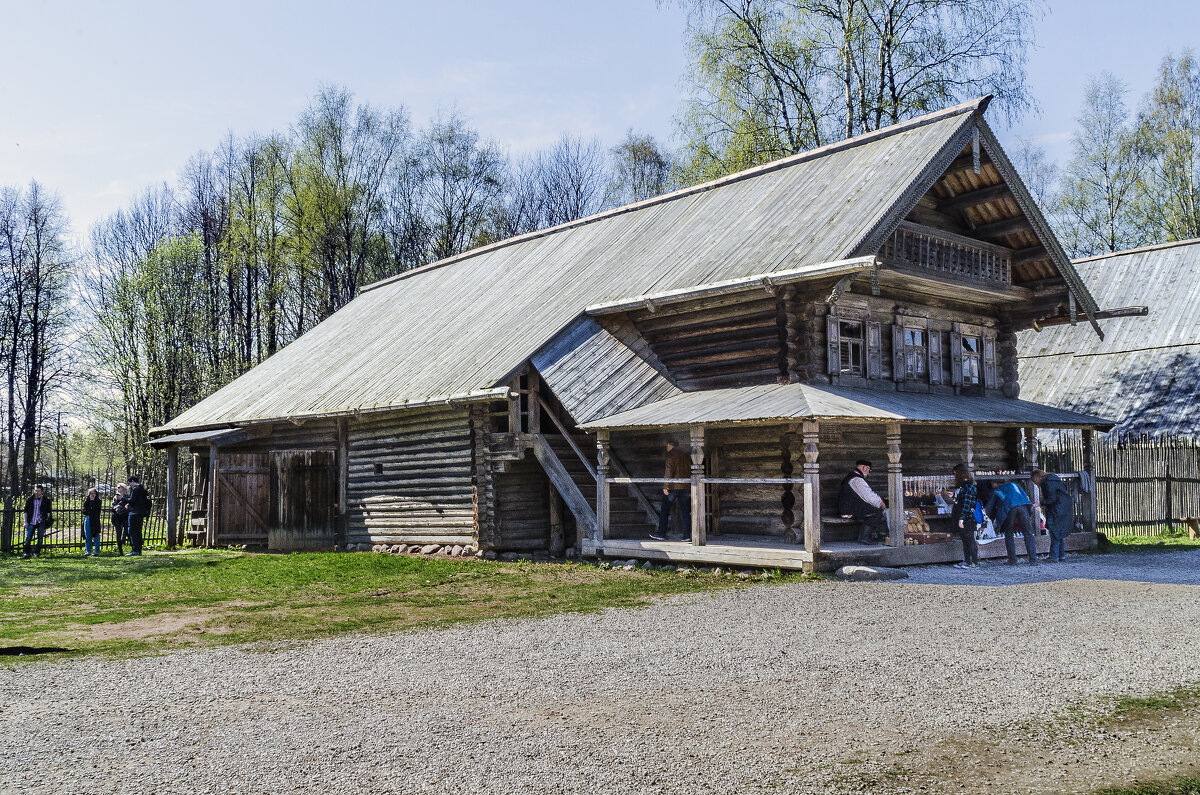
566, 435
707, 480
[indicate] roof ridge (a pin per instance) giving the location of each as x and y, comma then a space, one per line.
1154, 247
978, 105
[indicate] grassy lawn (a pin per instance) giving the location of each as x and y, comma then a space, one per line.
1165, 540
167, 600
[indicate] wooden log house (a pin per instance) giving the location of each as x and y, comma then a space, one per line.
857, 300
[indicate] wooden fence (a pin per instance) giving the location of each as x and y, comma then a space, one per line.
66, 534
1142, 485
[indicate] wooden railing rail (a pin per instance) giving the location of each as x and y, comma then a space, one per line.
948, 255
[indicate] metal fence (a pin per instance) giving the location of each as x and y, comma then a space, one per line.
66, 533
1142, 486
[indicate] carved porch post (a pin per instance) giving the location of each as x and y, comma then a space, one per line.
969, 449
1089, 466
699, 506
812, 480
602, 486
895, 486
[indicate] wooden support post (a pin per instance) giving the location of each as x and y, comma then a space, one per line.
557, 541
1089, 466
812, 488
699, 508
210, 523
895, 486
172, 497
533, 404
602, 486
969, 450
514, 406
1031, 461
343, 464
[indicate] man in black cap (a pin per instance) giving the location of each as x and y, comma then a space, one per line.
139, 506
857, 500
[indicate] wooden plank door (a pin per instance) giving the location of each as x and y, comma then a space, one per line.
244, 498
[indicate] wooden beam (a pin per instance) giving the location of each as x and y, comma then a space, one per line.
895, 508
172, 497
210, 525
964, 162
699, 508
945, 285
1089, 466
974, 198
1025, 256
343, 464
1005, 227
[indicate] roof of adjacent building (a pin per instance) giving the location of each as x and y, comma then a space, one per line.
784, 402
459, 328
1145, 373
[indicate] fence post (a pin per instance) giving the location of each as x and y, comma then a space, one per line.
1170, 503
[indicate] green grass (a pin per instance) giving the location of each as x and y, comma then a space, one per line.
1185, 785
1134, 708
124, 606
1120, 543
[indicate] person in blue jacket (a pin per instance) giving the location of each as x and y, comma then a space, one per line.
1060, 511
1010, 509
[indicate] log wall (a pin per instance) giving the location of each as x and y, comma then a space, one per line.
411, 478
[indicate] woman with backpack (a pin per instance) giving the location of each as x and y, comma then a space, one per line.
963, 517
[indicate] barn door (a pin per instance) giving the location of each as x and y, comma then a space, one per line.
304, 504
243, 498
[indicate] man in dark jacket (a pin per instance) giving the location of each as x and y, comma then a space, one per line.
857, 500
1060, 511
679, 465
139, 507
39, 514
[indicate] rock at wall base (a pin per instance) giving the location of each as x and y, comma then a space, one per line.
870, 573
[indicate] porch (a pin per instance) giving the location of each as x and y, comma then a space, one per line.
766, 459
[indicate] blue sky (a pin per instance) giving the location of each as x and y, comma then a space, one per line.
102, 99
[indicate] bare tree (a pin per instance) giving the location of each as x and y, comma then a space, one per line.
463, 178
641, 169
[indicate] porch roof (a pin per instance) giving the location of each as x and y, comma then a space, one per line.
791, 402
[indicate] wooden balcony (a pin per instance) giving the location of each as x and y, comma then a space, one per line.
926, 249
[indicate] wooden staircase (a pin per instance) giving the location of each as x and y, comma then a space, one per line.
629, 516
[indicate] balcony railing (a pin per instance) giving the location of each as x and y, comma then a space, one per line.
947, 254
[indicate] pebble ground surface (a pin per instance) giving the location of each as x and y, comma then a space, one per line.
963, 681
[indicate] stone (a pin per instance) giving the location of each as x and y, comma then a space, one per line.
570, 553
456, 551
509, 557
870, 573
631, 562
468, 550
377, 548
490, 555
717, 572
430, 549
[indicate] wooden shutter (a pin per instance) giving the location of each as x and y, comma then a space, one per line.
898, 352
935, 356
874, 350
956, 357
990, 381
834, 338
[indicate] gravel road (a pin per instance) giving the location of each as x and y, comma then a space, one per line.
806, 687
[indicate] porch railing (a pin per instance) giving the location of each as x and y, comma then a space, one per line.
947, 255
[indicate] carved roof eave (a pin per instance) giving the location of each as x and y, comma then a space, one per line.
934, 170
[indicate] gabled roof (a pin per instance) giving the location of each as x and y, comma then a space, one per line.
794, 402
1146, 372
458, 328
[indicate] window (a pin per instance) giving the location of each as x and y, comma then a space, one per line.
916, 354
972, 355
850, 332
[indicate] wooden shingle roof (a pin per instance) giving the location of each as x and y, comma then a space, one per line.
1145, 373
457, 329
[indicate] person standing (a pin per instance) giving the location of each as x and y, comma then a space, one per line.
678, 466
120, 516
1060, 511
857, 500
39, 515
962, 517
1010, 510
91, 523
138, 502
